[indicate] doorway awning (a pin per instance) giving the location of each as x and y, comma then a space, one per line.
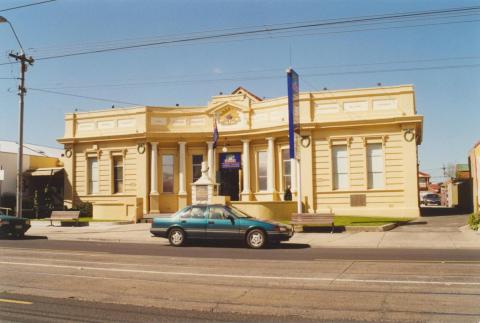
47, 171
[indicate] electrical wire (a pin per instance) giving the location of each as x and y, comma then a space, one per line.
85, 97
269, 30
27, 5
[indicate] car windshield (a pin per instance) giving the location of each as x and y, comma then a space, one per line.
238, 213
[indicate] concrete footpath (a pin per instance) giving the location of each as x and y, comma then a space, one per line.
418, 234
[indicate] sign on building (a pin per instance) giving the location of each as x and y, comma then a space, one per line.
293, 113
230, 160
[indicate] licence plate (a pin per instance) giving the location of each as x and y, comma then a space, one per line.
18, 226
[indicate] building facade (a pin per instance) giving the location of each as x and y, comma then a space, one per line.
474, 165
358, 154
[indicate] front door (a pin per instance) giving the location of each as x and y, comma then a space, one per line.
194, 221
220, 226
229, 167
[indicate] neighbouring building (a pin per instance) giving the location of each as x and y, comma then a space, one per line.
358, 154
474, 166
423, 181
43, 170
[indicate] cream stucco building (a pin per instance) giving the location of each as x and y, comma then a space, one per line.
358, 154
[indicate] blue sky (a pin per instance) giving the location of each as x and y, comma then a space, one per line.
448, 98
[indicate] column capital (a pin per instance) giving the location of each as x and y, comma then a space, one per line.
154, 144
270, 138
210, 143
182, 143
246, 141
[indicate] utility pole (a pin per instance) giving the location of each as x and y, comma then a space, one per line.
24, 62
23, 59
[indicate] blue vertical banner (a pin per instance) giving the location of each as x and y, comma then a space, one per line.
293, 113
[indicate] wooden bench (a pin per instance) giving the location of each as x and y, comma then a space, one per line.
64, 216
302, 219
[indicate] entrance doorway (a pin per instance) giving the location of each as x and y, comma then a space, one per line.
229, 183
229, 167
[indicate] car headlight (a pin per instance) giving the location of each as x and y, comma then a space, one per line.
283, 229
27, 222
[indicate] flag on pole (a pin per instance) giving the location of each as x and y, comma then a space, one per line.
215, 132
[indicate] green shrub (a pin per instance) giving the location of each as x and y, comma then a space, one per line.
474, 221
85, 208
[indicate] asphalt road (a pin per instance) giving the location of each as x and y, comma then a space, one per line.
290, 251
103, 282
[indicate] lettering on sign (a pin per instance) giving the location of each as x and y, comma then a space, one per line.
355, 106
85, 126
179, 122
326, 108
201, 193
158, 121
382, 105
126, 123
197, 121
106, 124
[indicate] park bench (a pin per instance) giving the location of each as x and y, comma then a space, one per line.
64, 216
314, 219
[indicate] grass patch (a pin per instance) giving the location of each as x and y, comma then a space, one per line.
81, 220
341, 221
366, 221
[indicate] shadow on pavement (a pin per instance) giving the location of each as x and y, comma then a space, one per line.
402, 224
7, 237
242, 245
439, 211
337, 229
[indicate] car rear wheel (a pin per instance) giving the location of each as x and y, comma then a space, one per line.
256, 239
176, 237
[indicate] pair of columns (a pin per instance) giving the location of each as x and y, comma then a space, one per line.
182, 177
210, 157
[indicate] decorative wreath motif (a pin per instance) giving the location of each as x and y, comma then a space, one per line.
305, 141
68, 152
141, 148
409, 135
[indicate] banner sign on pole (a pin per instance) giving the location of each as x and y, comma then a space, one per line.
293, 113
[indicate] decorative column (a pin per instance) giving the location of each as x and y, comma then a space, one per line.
293, 176
210, 160
271, 167
246, 193
153, 168
182, 178
181, 170
154, 203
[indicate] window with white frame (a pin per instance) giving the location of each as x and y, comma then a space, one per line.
93, 175
287, 172
117, 174
167, 173
340, 167
262, 170
196, 167
375, 165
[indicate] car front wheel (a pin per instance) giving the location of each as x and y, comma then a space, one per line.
256, 239
176, 237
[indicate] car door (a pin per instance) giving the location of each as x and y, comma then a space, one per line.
222, 224
194, 221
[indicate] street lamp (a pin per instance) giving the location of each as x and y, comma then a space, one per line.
21, 92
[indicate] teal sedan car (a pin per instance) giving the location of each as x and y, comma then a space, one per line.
219, 222
13, 226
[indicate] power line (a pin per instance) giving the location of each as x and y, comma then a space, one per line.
85, 97
27, 5
164, 38
268, 77
180, 78
266, 29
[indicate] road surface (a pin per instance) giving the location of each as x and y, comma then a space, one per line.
52, 281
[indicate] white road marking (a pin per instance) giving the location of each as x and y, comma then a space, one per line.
172, 273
